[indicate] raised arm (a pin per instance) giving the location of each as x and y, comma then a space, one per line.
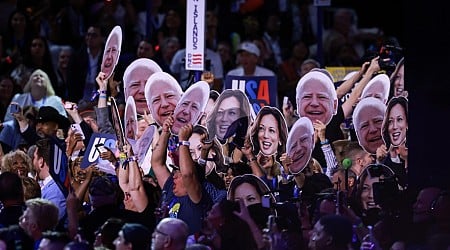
102, 111
135, 184
348, 105
252, 160
330, 157
187, 167
159, 155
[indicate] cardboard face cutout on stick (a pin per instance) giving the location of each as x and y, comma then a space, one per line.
395, 123
112, 51
117, 124
191, 106
377, 87
130, 119
162, 93
316, 97
368, 119
300, 144
142, 148
134, 79
230, 117
268, 133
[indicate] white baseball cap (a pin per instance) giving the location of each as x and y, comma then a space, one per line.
249, 47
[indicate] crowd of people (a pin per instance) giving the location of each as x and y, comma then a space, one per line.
108, 142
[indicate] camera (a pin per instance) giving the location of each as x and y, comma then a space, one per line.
386, 191
389, 56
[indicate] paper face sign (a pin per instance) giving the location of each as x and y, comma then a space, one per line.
368, 119
316, 97
395, 124
268, 133
117, 124
231, 111
134, 79
112, 52
191, 105
131, 125
300, 144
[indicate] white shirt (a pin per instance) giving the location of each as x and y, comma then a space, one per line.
259, 71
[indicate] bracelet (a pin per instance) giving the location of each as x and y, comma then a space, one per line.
103, 96
252, 159
201, 161
132, 158
102, 92
324, 142
184, 143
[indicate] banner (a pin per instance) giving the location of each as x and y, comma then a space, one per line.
59, 165
92, 155
260, 90
339, 73
195, 35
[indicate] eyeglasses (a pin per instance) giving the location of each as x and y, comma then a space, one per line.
157, 231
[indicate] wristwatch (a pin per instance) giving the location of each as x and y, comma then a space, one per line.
184, 143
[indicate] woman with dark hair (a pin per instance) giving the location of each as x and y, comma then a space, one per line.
173, 26
15, 40
8, 88
268, 135
37, 56
228, 122
394, 132
381, 203
255, 194
229, 230
398, 80
395, 125
367, 205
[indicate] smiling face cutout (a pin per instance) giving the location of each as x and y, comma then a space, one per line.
112, 52
269, 132
191, 105
300, 144
368, 119
162, 93
316, 97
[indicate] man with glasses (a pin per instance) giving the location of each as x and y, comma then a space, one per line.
170, 233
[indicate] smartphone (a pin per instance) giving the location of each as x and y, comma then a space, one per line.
101, 148
77, 129
285, 100
15, 108
265, 202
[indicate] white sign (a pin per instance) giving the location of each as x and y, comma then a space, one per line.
195, 35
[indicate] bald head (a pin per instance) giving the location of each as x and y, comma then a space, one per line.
174, 228
422, 206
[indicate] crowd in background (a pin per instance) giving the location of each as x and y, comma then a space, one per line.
204, 186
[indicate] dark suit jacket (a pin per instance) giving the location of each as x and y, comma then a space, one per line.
78, 70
